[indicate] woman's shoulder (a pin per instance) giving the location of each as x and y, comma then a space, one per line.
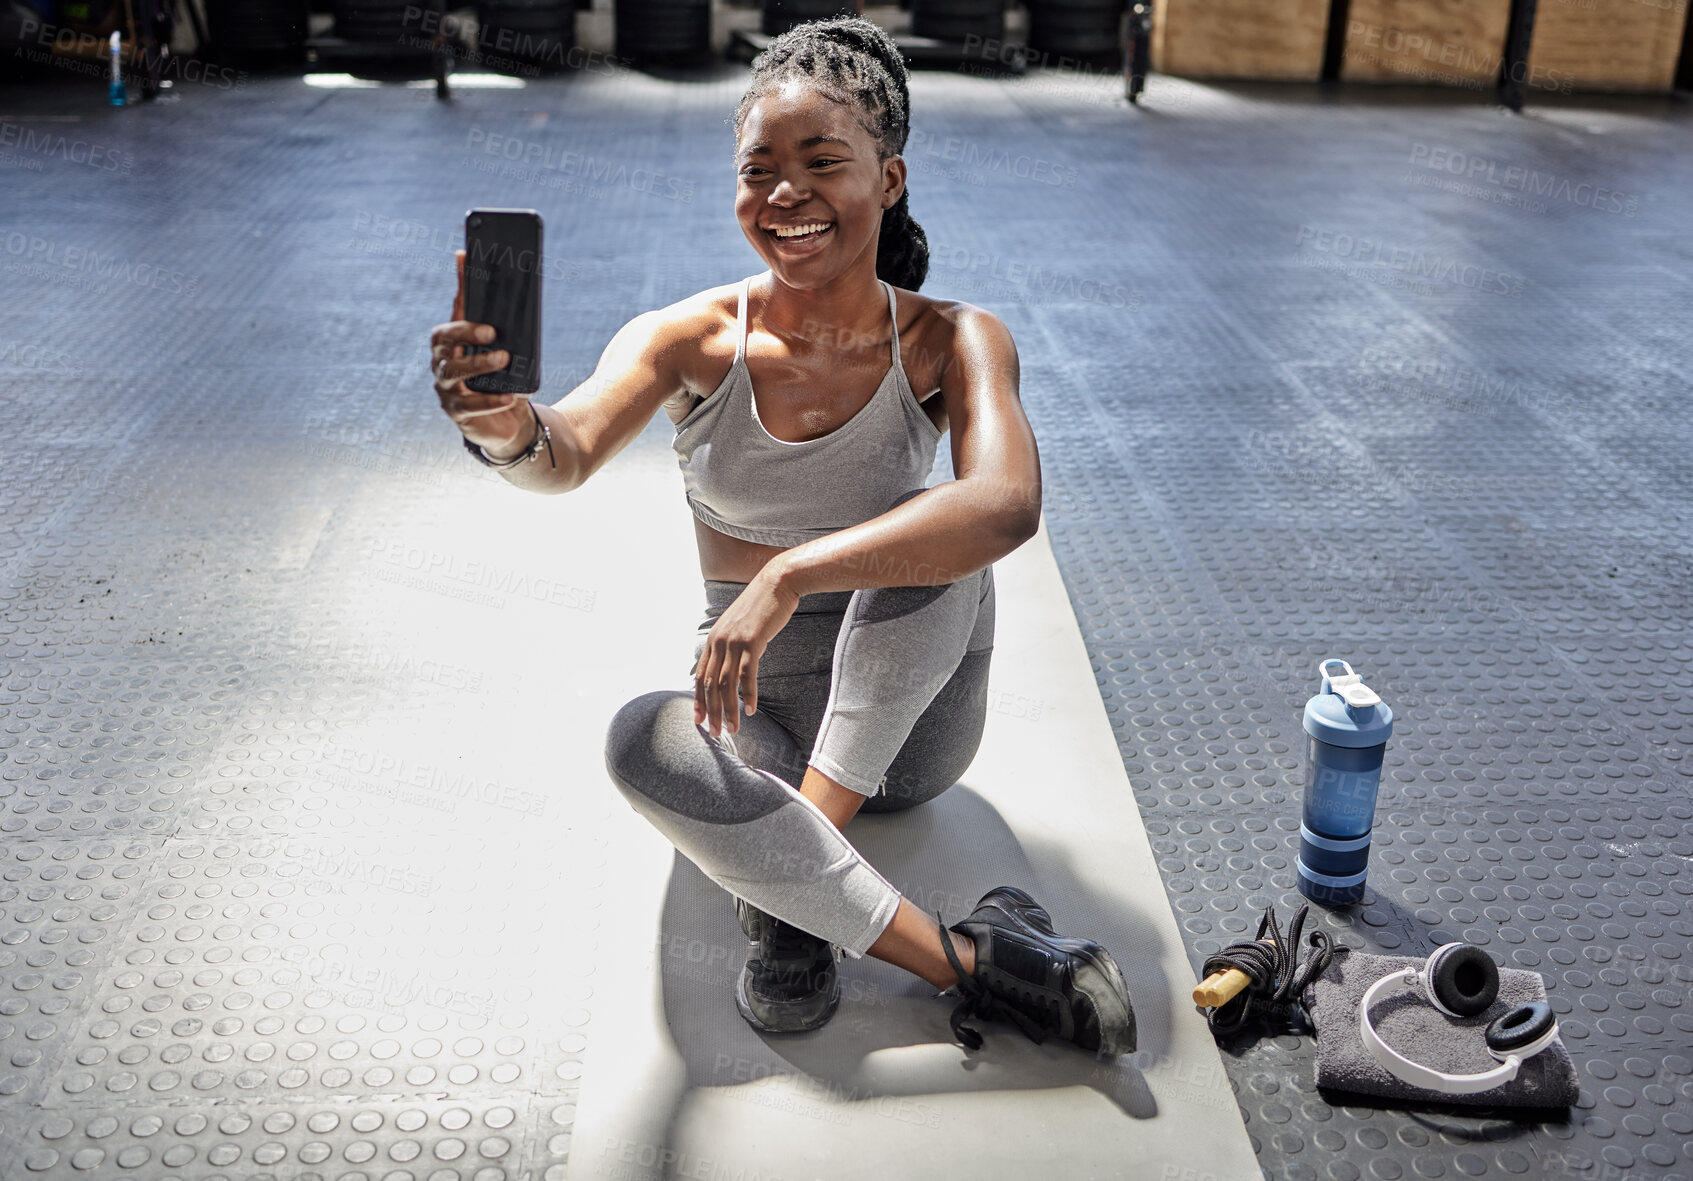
698, 335
943, 329
696, 330
946, 315
701, 315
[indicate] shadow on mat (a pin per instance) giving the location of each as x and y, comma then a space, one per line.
890, 1042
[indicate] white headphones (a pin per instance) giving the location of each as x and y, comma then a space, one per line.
1461, 980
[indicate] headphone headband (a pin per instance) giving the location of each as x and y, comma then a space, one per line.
1452, 981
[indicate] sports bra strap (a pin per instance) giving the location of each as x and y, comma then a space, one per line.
893, 314
741, 320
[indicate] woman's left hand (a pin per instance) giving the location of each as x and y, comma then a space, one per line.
729, 662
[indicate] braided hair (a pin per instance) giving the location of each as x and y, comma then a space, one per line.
855, 63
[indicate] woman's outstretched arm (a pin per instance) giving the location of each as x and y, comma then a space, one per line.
954, 529
639, 370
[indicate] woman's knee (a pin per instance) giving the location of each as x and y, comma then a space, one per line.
943, 744
642, 732
903, 790
891, 804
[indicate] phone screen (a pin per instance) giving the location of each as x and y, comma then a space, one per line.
502, 287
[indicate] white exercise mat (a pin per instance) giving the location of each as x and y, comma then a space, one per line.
675, 1084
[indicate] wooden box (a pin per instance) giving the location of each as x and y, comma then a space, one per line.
1606, 44
1280, 40
1429, 42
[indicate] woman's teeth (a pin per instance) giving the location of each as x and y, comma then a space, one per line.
803, 233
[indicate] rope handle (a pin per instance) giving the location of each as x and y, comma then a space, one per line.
1266, 971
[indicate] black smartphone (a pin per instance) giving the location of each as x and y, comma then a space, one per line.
502, 287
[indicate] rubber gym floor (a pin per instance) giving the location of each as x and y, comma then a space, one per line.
311, 865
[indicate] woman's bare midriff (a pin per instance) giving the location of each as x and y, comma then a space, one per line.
730, 559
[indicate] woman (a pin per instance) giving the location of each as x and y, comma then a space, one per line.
842, 663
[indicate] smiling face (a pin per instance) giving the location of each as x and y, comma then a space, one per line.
810, 190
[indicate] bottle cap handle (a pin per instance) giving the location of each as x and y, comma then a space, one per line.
1349, 686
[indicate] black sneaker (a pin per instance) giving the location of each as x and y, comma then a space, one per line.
1045, 984
789, 983
1019, 902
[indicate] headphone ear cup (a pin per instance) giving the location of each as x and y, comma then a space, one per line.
1461, 979
1522, 1026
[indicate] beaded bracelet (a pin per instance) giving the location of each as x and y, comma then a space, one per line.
543, 435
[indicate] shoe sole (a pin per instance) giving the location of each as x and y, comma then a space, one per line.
1101, 980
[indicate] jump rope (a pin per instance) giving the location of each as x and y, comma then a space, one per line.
1266, 973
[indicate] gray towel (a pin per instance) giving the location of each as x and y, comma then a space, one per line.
1407, 1022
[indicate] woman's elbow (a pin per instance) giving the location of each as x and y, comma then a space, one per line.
1024, 525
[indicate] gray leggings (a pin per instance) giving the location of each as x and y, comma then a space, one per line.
883, 689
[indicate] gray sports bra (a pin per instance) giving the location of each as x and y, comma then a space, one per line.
745, 482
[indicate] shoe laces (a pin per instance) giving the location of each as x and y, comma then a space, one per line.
789, 955
786, 941
1040, 1017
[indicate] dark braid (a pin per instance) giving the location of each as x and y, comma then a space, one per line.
855, 63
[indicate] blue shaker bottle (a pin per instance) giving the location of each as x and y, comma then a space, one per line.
1348, 726
116, 94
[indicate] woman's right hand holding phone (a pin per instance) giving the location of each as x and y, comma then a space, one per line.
498, 423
